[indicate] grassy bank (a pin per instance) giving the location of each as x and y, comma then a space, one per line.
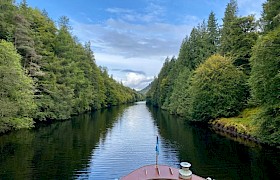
244, 124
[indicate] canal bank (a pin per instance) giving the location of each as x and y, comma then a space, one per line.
244, 128
121, 139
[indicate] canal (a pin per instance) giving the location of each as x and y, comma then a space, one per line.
110, 143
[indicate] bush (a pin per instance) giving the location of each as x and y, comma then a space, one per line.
269, 121
265, 74
265, 85
218, 89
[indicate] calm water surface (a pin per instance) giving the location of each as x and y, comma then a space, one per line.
110, 143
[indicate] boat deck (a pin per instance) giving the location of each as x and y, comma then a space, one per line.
156, 172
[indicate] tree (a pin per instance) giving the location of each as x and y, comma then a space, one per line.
242, 37
179, 100
25, 45
7, 10
265, 85
16, 91
271, 14
213, 34
194, 49
229, 17
66, 78
218, 89
265, 74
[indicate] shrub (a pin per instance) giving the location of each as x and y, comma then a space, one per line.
218, 89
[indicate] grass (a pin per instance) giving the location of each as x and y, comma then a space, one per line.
244, 123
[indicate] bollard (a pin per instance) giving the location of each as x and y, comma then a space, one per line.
185, 172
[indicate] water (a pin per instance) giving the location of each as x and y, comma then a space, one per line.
110, 143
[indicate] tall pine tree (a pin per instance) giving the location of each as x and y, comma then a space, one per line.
229, 17
213, 34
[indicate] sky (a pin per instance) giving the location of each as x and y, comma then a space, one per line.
132, 38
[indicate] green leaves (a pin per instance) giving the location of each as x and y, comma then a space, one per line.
229, 17
64, 71
16, 91
265, 62
271, 14
218, 89
242, 37
201, 88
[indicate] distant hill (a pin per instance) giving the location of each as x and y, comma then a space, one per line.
145, 90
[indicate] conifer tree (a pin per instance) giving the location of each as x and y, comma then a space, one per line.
16, 91
229, 17
213, 34
271, 14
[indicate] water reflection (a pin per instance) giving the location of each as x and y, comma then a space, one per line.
110, 143
214, 155
55, 151
128, 146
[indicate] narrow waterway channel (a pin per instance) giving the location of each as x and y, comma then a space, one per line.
110, 143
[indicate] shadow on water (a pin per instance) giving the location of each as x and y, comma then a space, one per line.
213, 155
57, 150
112, 142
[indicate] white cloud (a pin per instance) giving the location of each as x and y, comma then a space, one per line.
142, 47
137, 81
139, 41
130, 40
152, 13
118, 10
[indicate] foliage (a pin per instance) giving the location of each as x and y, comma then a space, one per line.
62, 72
271, 14
179, 100
265, 85
7, 10
213, 35
202, 43
242, 37
161, 86
16, 91
218, 89
265, 75
244, 122
269, 122
229, 17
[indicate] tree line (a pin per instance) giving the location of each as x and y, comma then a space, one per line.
46, 73
220, 71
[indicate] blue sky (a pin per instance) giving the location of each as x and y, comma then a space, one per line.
132, 38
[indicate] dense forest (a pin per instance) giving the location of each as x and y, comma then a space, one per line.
223, 70
46, 73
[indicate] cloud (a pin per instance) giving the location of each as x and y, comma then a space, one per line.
136, 81
152, 13
129, 71
130, 40
118, 10
134, 41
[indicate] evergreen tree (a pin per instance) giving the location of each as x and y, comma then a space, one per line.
243, 36
229, 17
265, 85
180, 97
7, 11
265, 75
271, 14
213, 34
16, 91
25, 45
